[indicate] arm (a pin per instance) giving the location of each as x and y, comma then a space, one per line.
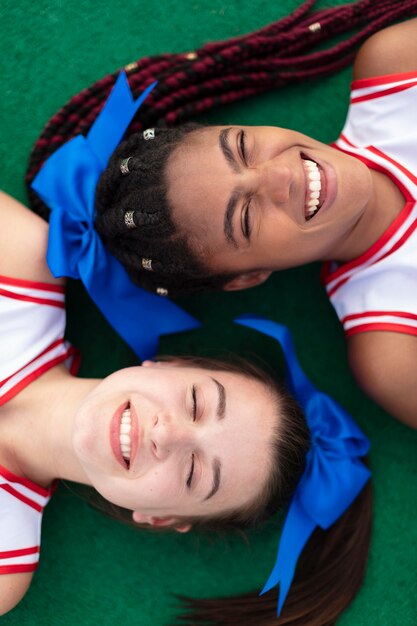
12, 589
385, 366
389, 51
23, 242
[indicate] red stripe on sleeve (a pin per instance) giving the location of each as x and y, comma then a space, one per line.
8, 554
18, 569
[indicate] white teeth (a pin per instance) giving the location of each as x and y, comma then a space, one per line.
314, 187
125, 426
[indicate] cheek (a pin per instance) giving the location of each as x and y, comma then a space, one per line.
84, 433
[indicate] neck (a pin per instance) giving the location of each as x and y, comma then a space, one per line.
36, 428
385, 204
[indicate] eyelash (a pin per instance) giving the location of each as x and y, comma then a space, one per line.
194, 398
246, 225
194, 414
242, 146
190, 475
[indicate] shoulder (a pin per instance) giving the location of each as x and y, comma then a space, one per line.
385, 366
389, 51
23, 242
12, 589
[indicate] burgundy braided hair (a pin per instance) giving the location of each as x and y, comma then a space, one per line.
190, 84
226, 71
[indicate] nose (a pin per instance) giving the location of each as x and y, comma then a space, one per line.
271, 180
168, 435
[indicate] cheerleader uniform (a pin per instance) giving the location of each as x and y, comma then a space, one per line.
378, 290
32, 324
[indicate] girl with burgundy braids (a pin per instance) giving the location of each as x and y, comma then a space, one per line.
188, 208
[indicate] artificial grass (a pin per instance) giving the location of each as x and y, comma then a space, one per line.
93, 570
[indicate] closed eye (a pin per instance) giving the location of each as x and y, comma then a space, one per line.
242, 147
246, 220
194, 402
190, 475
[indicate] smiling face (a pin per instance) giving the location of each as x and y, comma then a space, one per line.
264, 198
196, 442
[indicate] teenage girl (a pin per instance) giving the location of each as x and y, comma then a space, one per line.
237, 203
177, 443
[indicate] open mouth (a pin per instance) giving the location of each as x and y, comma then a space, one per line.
124, 435
315, 187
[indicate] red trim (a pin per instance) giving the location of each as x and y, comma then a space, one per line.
362, 83
395, 328
355, 316
76, 362
30, 284
16, 553
51, 346
337, 286
346, 140
35, 374
326, 277
25, 298
400, 167
387, 235
401, 241
382, 93
18, 569
41, 491
22, 498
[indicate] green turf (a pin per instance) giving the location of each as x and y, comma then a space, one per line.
93, 570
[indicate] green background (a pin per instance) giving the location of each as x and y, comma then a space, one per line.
94, 570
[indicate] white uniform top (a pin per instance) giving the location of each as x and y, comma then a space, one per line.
378, 290
32, 324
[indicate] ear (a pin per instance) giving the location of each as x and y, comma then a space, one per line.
161, 522
246, 280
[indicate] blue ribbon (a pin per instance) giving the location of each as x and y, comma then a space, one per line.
67, 184
334, 474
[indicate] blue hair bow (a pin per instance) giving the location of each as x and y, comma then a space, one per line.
67, 184
334, 474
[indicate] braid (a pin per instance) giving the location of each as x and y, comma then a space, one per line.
143, 193
190, 84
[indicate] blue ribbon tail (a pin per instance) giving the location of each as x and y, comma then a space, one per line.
138, 316
297, 530
298, 382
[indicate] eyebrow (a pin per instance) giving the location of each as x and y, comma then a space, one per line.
233, 200
216, 479
221, 403
220, 414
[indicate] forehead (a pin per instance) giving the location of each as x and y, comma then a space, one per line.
248, 431
199, 186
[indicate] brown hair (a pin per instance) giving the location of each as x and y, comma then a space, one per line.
332, 565
329, 574
288, 451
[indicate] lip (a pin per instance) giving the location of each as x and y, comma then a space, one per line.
115, 434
